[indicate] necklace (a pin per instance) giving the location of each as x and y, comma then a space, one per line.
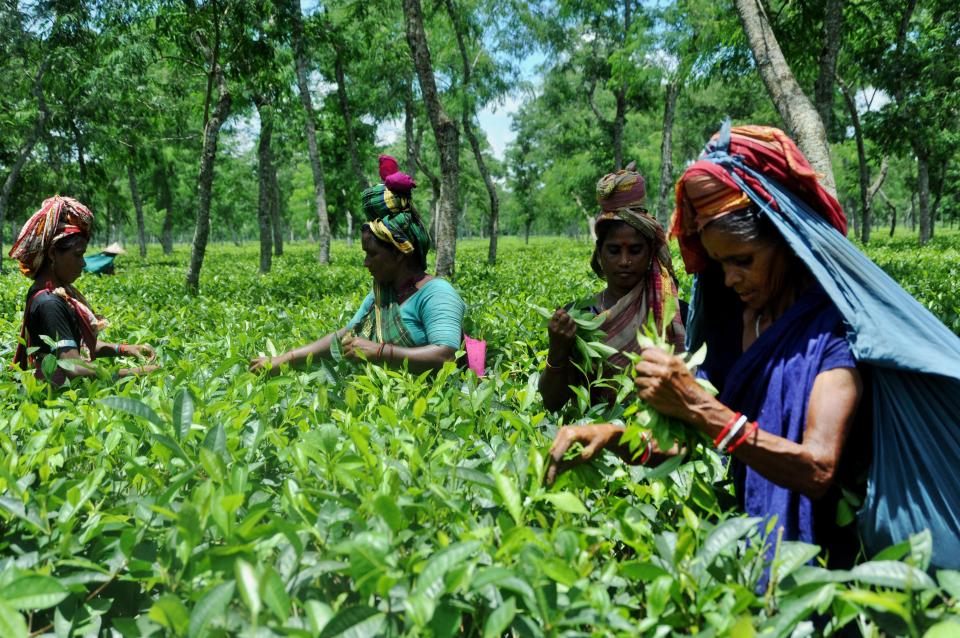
756, 324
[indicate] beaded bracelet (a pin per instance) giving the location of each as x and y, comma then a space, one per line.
750, 429
732, 433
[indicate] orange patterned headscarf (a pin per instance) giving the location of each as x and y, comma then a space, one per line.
706, 191
57, 218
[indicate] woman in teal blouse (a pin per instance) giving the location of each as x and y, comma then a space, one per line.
409, 316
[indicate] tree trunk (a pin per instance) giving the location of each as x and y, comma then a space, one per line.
276, 218
864, 168
798, 113
467, 116
409, 118
447, 137
871, 194
526, 230
319, 189
208, 158
348, 119
832, 37
138, 207
166, 203
923, 188
24, 154
265, 186
664, 199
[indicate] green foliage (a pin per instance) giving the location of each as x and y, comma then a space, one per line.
352, 500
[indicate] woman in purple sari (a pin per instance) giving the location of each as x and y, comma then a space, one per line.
790, 409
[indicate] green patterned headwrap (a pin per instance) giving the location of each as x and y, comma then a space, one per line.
402, 228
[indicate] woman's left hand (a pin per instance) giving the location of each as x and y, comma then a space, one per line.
143, 351
357, 348
665, 383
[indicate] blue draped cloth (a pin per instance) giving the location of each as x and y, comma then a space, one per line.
912, 362
771, 382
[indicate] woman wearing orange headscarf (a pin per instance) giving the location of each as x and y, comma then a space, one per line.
57, 320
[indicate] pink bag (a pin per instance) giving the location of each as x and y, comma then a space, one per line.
476, 354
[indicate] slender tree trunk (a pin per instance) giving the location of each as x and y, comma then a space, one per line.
832, 37
348, 119
276, 217
164, 171
526, 230
138, 207
796, 109
871, 194
409, 119
24, 154
664, 199
468, 130
316, 165
864, 168
923, 188
208, 158
265, 192
79, 190
447, 136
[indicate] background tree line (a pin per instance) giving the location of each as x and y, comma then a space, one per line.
188, 120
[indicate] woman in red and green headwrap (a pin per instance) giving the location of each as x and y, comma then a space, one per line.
409, 316
632, 256
57, 319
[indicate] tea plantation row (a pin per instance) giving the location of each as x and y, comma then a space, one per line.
350, 500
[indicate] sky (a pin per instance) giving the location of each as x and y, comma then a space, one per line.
495, 119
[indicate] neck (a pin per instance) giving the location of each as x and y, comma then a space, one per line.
46, 276
775, 309
405, 276
613, 294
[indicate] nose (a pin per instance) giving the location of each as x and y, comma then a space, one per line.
731, 276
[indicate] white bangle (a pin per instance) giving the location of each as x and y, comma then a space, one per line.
732, 434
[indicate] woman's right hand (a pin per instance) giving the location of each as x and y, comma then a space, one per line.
269, 364
593, 437
138, 371
561, 330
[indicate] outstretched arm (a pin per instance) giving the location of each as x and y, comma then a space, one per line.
297, 357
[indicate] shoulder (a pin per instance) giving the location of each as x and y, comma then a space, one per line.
44, 301
439, 290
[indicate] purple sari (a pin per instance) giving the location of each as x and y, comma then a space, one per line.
771, 383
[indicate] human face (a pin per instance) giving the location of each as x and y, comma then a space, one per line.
754, 269
382, 262
624, 257
68, 264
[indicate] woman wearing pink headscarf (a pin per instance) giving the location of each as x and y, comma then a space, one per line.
57, 320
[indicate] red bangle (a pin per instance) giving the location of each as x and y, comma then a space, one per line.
750, 429
726, 428
120, 349
648, 452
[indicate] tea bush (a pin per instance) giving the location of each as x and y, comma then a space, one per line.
350, 500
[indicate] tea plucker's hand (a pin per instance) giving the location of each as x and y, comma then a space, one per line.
561, 331
808, 466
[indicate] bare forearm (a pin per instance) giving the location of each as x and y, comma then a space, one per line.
555, 388
784, 462
420, 359
319, 348
108, 349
